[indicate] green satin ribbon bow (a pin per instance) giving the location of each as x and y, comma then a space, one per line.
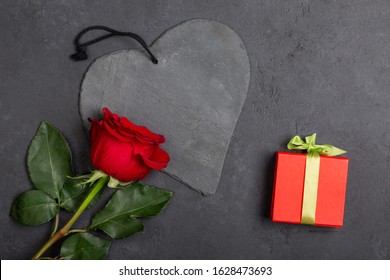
312, 172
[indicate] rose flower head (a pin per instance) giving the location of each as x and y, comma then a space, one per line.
123, 150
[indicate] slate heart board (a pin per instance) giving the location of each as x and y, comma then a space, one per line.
193, 96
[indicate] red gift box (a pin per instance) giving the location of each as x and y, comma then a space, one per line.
289, 188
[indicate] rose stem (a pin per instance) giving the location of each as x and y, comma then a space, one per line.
57, 219
65, 230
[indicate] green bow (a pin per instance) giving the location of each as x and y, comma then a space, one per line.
296, 143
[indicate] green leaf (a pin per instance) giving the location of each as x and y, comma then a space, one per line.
117, 219
49, 160
121, 227
34, 208
72, 195
84, 246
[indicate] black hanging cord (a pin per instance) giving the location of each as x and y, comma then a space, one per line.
81, 49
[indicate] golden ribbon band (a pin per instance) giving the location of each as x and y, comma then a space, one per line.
312, 171
309, 202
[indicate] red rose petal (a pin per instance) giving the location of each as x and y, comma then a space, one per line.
158, 160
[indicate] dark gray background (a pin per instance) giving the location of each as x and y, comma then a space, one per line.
316, 66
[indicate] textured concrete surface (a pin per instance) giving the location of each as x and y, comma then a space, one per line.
193, 96
316, 66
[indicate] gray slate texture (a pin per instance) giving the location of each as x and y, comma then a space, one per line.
193, 96
316, 66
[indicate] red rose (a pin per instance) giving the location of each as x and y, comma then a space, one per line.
124, 150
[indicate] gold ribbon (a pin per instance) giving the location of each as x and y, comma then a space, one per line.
312, 171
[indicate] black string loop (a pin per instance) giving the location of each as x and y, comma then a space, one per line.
81, 48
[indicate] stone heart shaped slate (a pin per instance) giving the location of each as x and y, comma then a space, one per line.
193, 96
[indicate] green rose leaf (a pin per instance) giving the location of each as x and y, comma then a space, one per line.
34, 208
72, 195
49, 160
117, 219
121, 227
84, 246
